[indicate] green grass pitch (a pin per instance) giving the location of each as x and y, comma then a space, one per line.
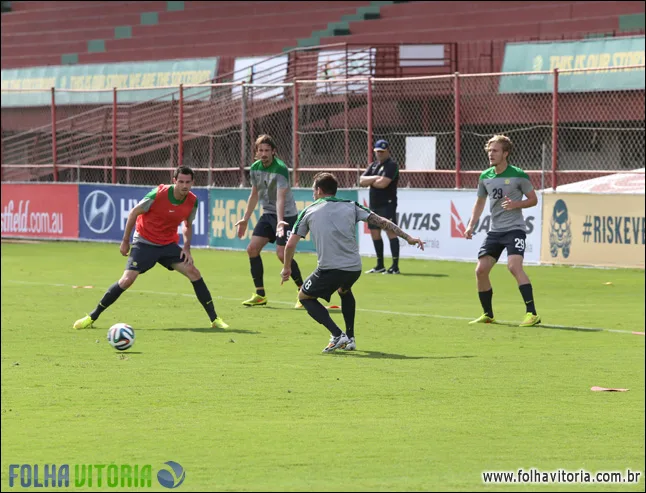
427, 402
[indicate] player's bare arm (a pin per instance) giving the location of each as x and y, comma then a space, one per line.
187, 232
476, 212
136, 211
251, 205
388, 225
290, 248
530, 201
280, 211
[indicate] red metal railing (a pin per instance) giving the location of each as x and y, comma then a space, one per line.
331, 124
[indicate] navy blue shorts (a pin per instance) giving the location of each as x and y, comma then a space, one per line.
266, 228
143, 256
389, 211
495, 243
323, 283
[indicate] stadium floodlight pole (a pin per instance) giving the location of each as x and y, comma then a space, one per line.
295, 143
114, 135
555, 119
456, 123
369, 117
54, 150
180, 129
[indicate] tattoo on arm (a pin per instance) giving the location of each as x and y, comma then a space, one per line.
387, 225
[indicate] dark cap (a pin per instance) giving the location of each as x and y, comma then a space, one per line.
381, 145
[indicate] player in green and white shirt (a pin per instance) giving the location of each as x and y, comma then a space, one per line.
332, 223
269, 178
505, 185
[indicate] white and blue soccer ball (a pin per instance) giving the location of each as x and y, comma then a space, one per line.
121, 336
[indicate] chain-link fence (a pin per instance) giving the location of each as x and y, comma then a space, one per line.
84, 141
212, 134
600, 130
565, 127
417, 118
267, 109
332, 129
526, 118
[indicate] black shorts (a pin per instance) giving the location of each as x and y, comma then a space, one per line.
143, 256
266, 228
495, 243
323, 283
389, 211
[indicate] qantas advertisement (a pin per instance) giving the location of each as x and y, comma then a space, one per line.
439, 217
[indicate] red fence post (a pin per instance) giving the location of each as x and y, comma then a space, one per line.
1, 154
369, 123
114, 135
555, 119
54, 150
456, 104
180, 131
346, 126
243, 132
295, 141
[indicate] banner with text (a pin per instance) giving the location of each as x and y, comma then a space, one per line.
439, 217
228, 206
103, 212
596, 230
605, 53
106, 76
40, 211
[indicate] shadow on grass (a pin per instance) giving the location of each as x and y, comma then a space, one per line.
265, 307
422, 275
553, 327
382, 355
211, 330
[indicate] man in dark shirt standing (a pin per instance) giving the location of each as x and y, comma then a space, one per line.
382, 177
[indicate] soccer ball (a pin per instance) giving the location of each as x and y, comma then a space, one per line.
121, 336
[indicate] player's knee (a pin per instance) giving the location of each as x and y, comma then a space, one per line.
515, 269
193, 273
127, 280
481, 270
280, 255
342, 292
252, 250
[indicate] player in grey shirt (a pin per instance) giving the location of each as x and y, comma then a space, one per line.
333, 225
269, 178
505, 185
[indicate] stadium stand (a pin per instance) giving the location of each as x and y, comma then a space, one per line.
481, 29
45, 33
38, 33
103, 32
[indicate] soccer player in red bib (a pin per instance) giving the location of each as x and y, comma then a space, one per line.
157, 217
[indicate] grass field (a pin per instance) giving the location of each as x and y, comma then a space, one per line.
427, 402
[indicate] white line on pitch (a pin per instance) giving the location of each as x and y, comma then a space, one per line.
368, 310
